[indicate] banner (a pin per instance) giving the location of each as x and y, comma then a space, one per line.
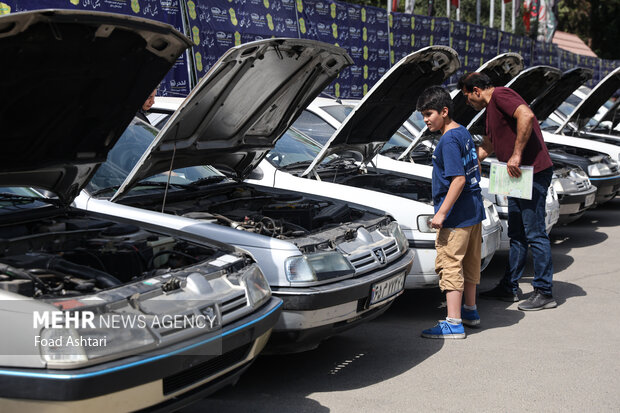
373, 38
176, 82
328, 21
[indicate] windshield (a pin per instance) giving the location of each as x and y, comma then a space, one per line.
16, 198
315, 127
338, 112
417, 120
399, 141
295, 149
311, 127
606, 112
126, 154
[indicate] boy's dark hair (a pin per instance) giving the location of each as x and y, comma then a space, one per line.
474, 79
435, 98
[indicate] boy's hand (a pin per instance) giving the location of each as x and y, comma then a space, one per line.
438, 219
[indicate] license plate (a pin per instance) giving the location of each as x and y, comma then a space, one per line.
385, 289
589, 200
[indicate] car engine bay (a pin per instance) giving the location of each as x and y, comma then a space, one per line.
64, 255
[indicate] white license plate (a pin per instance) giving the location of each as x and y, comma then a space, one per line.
589, 200
385, 289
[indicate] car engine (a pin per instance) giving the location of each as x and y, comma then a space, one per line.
67, 255
275, 215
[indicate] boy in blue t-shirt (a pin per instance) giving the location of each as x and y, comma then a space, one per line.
458, 214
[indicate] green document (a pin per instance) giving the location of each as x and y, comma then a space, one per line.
503, 184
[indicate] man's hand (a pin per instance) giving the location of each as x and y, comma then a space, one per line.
514, 164
438, 219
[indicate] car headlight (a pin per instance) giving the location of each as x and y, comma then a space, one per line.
394, 230
317, 266
557, 186
399, 236
424, 223
501, 200
256, 285
72, 347
578, 174
598, 169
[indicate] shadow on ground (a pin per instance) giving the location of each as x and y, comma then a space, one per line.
368, 354
390, 345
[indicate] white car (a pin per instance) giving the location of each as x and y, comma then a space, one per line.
590, 113
598, 159
346, 166
334, 264
409, 150
103, 313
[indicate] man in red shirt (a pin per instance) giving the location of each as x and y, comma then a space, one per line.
513, 133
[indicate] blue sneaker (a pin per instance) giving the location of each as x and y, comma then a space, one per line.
470, 318
443, 329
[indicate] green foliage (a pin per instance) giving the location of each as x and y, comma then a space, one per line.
605, 28
596, 22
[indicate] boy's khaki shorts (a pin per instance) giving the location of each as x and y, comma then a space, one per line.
458, 256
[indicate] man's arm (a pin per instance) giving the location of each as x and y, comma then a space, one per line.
454, 191
484, 150
524, 116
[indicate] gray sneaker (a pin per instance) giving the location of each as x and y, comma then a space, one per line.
537, 301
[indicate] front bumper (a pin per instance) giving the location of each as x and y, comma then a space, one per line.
312, 314
607, 188
573, 205
164, 379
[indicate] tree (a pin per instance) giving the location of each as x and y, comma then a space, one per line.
605, 28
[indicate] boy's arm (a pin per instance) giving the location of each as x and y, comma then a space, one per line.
454, 191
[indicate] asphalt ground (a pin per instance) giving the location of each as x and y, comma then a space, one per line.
555, 360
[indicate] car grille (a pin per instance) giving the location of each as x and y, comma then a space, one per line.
233, 304
582, 185
230, 311
204, 370
361, 261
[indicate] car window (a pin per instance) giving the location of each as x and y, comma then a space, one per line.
294, 148
127, 152
11, 201
338, 112
417, 120
398, 140
315, 127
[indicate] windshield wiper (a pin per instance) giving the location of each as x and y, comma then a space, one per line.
338, 162
207, 180
394, 149
104, 190
164, 184
15, 198
295, 165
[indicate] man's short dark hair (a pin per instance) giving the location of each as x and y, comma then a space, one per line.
435, 98
474, 79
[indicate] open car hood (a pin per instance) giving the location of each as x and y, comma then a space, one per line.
71, 82
544, 104
389, 103
528, 84
500, 69
611, 115
588, 107
240, 108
